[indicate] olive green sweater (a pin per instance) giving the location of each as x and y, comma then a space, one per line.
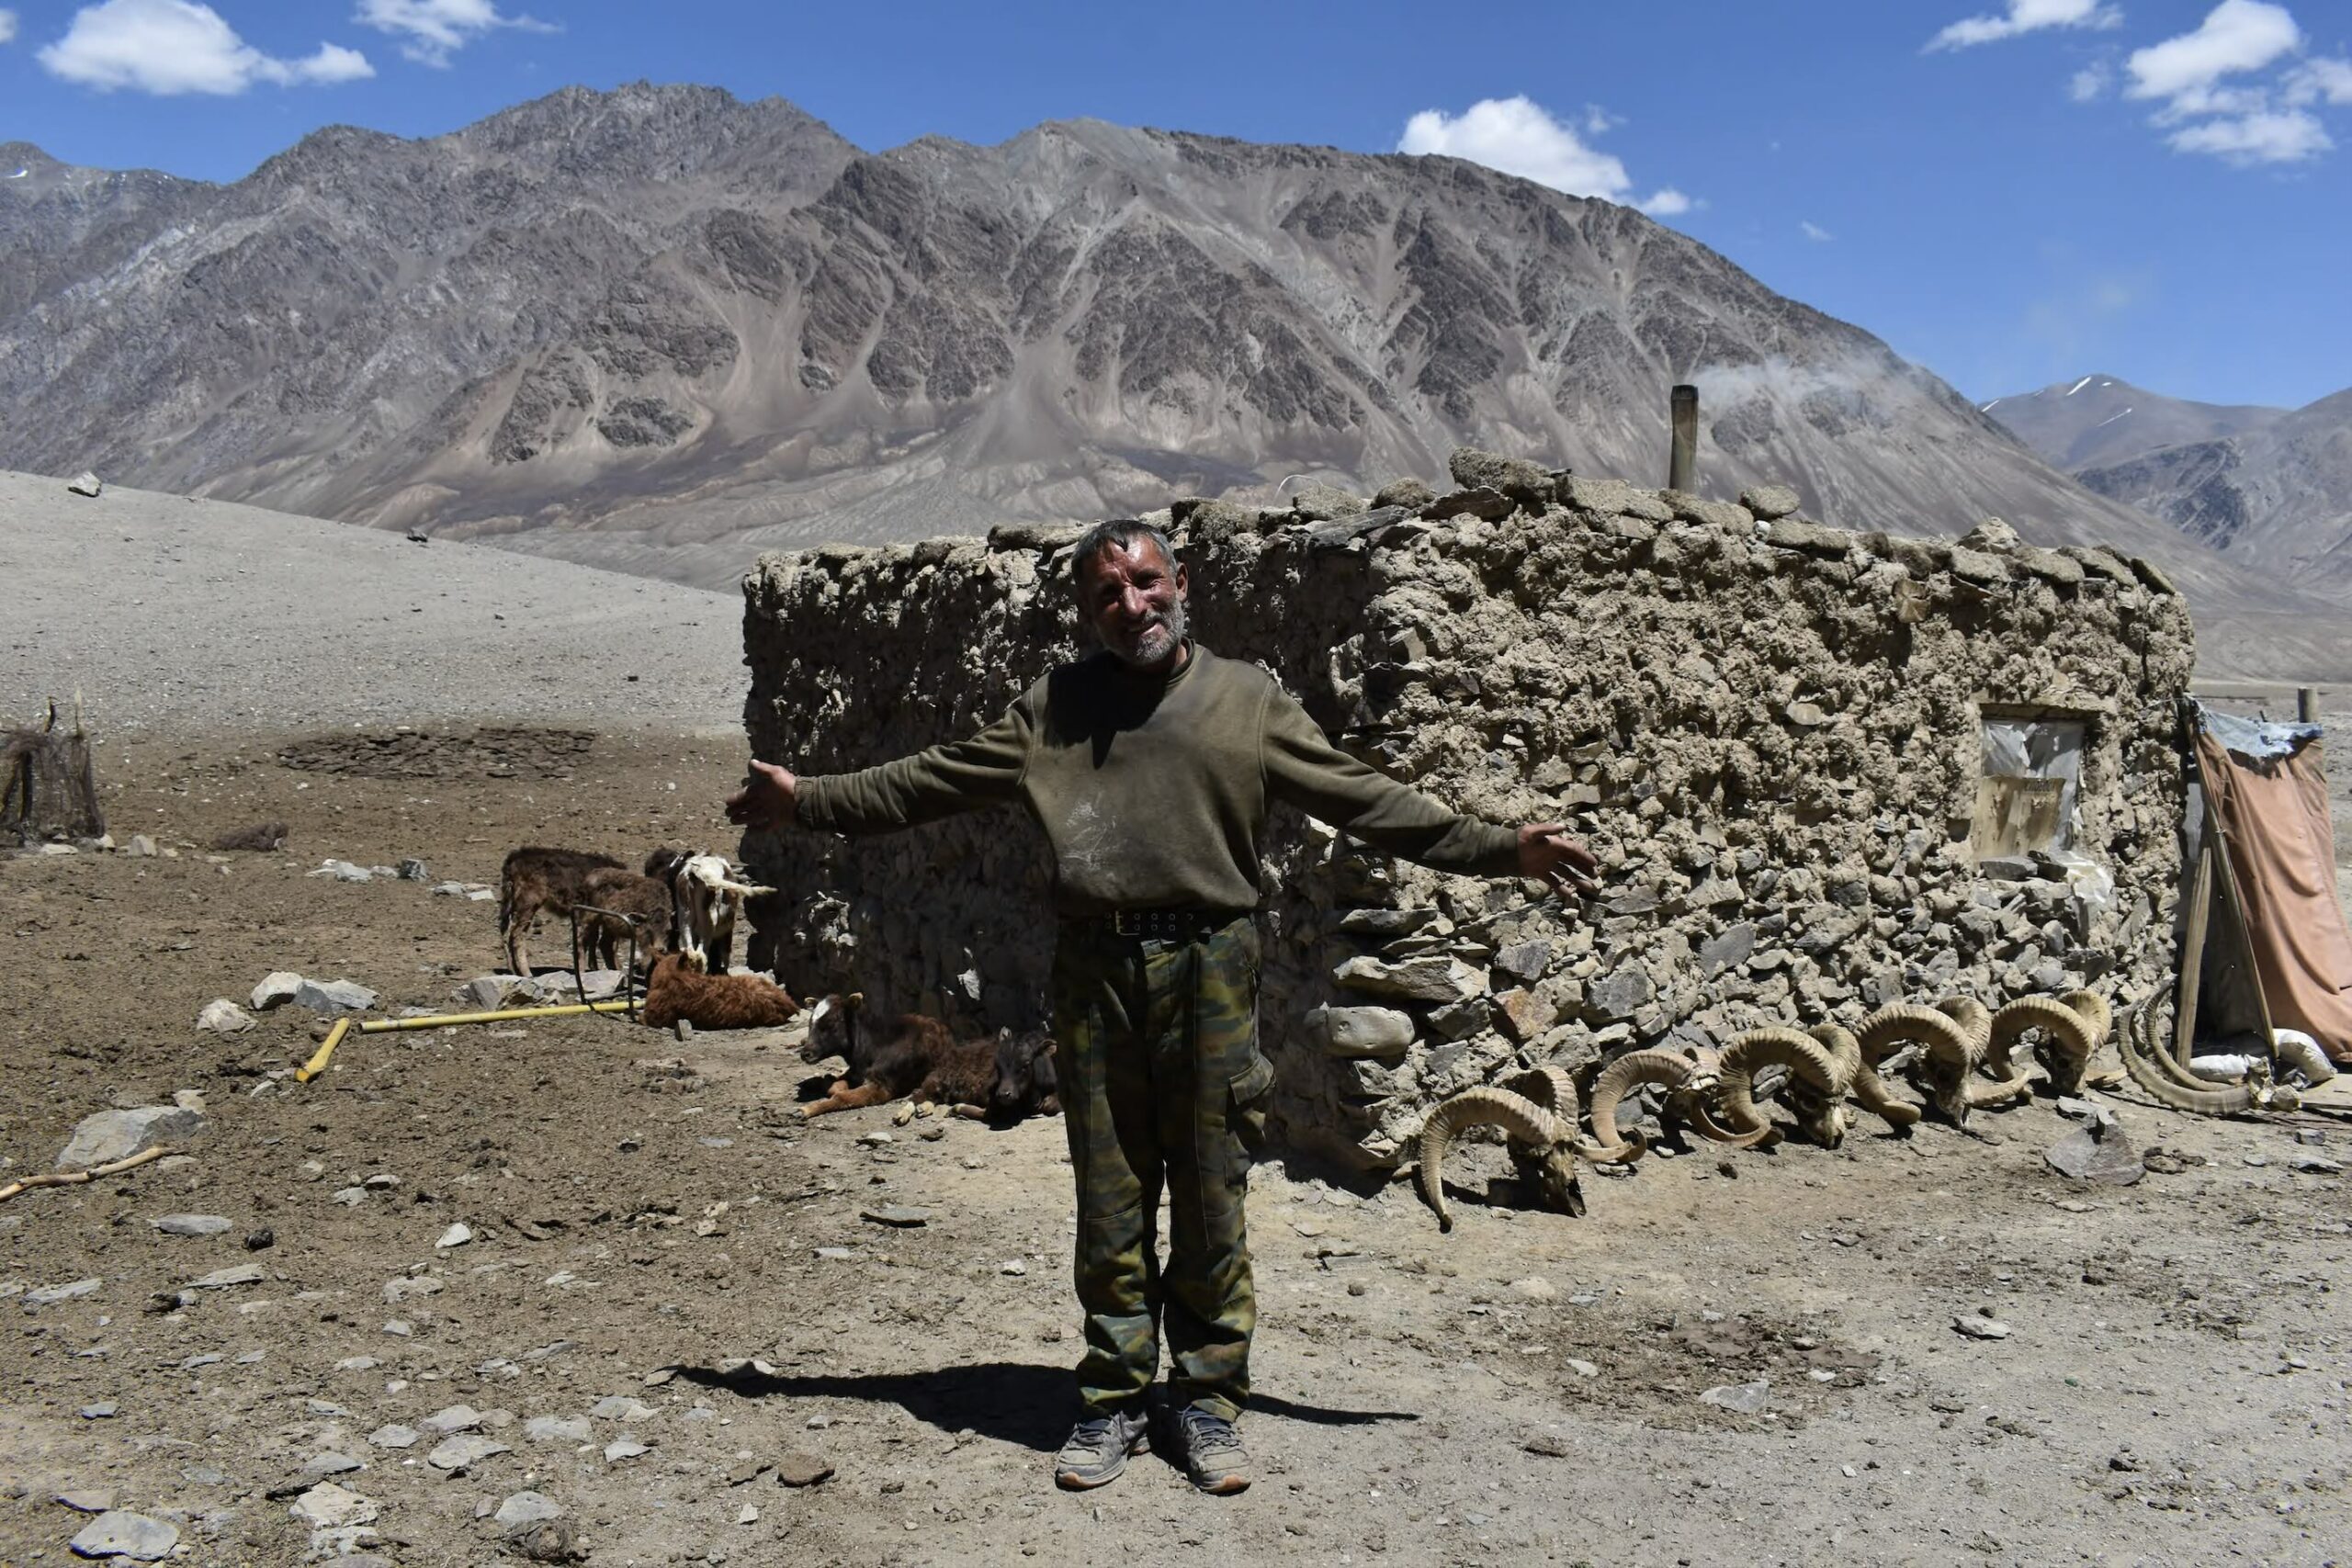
1152, 789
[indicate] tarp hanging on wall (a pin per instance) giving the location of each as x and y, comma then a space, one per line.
2270, 803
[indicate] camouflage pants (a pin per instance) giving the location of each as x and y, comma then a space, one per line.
1162, 1088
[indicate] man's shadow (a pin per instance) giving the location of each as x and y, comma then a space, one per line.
1010, 1401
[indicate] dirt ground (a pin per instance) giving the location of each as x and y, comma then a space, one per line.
1527, 1389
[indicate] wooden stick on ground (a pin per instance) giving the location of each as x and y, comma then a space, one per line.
75, 1178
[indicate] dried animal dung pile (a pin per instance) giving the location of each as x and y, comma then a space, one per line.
414, 754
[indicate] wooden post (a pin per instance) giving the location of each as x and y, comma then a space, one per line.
2192, 951
2306, 706
1682, 454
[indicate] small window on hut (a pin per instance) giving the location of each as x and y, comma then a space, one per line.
2031, 777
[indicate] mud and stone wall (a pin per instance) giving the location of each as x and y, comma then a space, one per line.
1769, 730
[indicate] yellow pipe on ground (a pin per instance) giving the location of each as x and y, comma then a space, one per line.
318, 1061
435, 1020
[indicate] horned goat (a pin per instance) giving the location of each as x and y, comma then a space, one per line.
707, 898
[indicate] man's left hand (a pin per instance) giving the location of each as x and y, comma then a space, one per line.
1548, 855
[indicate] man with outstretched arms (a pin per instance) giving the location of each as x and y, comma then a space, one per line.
1150, 766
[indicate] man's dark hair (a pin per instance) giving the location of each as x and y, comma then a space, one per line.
1119, 532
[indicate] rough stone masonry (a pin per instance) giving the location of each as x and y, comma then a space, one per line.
1769, 730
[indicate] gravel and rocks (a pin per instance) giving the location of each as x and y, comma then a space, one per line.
126, 1535
110, 1135
191, 1224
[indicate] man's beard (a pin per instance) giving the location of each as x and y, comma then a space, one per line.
1154, 641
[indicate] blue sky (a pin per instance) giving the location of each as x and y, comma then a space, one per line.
2011, 192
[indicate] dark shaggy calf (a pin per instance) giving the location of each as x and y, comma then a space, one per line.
536, 880
911, 1055
1024, 1084
676, 991
605, 937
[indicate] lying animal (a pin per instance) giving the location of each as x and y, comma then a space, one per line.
1025, 1083
677, 990
911, 1056
534, 880
261, 836
706, 897
615, 893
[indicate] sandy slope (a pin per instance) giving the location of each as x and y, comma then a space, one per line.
185, 618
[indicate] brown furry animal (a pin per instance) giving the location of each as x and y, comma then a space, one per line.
261, 836
914, 1057
606, 937
536, 880
676, 991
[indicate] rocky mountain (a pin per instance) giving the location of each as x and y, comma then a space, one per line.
659, 328
2095, 421
2269, 489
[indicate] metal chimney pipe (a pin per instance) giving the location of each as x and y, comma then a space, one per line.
1682, 455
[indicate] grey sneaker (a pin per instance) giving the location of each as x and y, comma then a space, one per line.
1098, 1449
1214, 1456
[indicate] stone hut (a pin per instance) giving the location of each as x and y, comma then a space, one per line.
1824, 771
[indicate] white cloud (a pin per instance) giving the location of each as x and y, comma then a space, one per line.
2234, 88
2322, 80
2026, 16
2087, 83
2267, 136
433, 29
7, 26
1519, 136
2236, 36
1814, 231
168, 47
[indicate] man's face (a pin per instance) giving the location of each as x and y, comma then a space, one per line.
1133, 597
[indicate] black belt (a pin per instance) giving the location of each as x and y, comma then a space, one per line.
1157, 925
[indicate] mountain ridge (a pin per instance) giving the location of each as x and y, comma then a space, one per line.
662, 329
2267, 488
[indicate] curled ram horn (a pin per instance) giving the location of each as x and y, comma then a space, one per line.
2158, 1055
1826, 1068
1669, 1070
2069, 1039
1886, 1031
1951, 1058
2094, 1008
2140, 1049
2101, 1018
1823, 1113
1552, 1088
1545, 1137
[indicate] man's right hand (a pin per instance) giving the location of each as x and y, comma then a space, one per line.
766, 799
